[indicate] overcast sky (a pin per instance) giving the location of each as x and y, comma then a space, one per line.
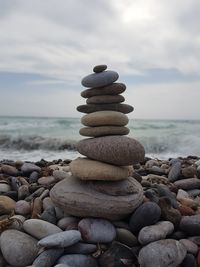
47, 46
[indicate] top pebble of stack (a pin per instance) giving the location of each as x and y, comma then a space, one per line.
100, 77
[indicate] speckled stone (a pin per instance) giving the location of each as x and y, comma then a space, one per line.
18, 248
89, 108
117, 150
113, 89
82, 199
87, 169
162, 253
105, 99
100, 79
105, 118
103, 131
99, 68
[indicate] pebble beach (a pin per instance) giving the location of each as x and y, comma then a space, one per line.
111, 207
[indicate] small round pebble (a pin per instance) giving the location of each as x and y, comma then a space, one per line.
99, 68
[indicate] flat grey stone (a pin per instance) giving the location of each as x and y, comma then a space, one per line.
103, 131
89, 108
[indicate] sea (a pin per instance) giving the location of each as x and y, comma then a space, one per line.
36, 138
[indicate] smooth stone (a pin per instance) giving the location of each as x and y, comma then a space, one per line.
114, 149
194, 193
174, 172
178, 235
97, 230
68, 223
146, 214
33, 177
190, 246
7, 205
189, 172
187, 184
105, 99
125, 237
48, 257
190, 224
118, 255
189, 261
99, 68
2, 261
105, 118
103, 131
23, 191
182, 194
61, 240
87, 169
195, 239
49, 215
81, 199
113, 89
162, 253
81, 248
77, 260
60, 175
17, 223
61, 265
47, 202
22, 207
100, 79
18, 248
155, 232
4, 188
30, 167
90, 108
10, 170
186, 211
164, 191
40, 228
46, 180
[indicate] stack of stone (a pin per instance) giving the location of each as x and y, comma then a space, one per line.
101, 184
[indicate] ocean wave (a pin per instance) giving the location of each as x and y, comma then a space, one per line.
35, 143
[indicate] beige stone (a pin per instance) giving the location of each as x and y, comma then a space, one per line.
87, 169
104, 118
103, 131
7, 205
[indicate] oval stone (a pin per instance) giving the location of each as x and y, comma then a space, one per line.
187, 184
48, 257
100, 79
155, 232
146, 214
89, 108
77, 260
81, 248
97, 230
117, 150
39, 228
113, 89
82, 199
105, 99
103, 131
99, 68
18, 248
87, 169
7, 205
61, 240
162, 253
125, 237
190, 224
104, 118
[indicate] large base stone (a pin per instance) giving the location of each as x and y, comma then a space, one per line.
92, 199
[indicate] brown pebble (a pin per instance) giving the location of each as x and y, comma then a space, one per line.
36, 208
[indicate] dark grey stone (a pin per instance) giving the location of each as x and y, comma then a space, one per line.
89, 108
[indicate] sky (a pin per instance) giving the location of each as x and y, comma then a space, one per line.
47, 47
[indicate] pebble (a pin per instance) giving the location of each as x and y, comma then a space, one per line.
104, 118
46, 180
77, 260
100, 79
62, 265
60, 175
190, 224
189, 261
125, 237
105, 99
23, 191
187, 184
103, 131
10, 170
47, 202
113, 89
162, 253
189, 172
86, 169
17, 223
89, 108
39, 228
146, 214
190, 246
7, 205
18, 248
99, 68
49, 215
48, 257
29, 168
4, 188
33, 177
61, 240
117, 150
174, 172
81, 248
68, 223
22, 207
97, 230
155, 232
76, 198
